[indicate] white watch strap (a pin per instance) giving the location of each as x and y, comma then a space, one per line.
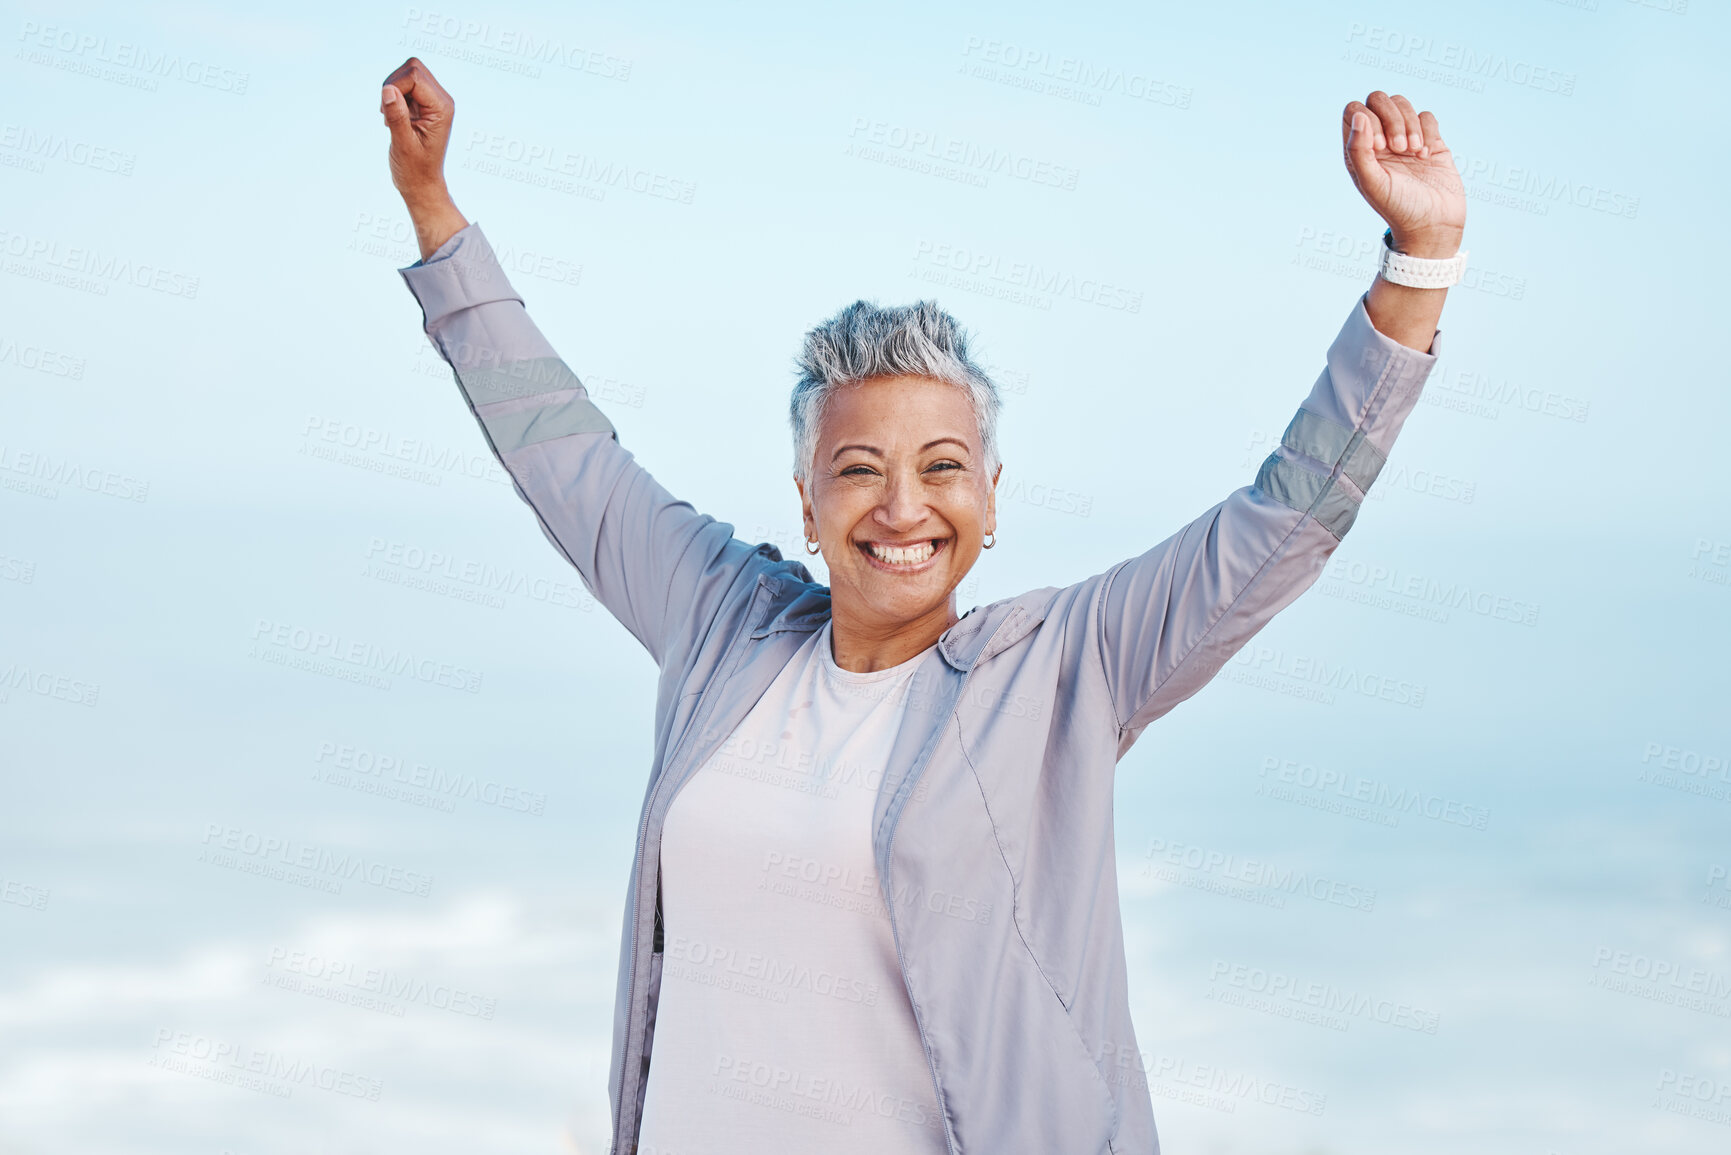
1417, 272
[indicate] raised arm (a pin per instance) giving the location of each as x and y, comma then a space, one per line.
659, 566
1171, 618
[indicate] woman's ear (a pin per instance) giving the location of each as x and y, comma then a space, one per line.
808, 519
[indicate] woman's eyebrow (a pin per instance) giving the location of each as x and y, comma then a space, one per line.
876, 452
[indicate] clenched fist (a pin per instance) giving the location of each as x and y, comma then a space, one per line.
418, 114
1401, 166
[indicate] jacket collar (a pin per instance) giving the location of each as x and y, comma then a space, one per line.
801, 605
987, 631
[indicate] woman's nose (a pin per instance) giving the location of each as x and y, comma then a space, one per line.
903, 507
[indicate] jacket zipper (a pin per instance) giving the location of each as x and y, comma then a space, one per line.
889, 860
697, 720
895, 929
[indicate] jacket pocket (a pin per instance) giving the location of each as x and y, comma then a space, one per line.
1086, 1055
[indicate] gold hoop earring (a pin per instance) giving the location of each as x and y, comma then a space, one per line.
989, 544
812, 547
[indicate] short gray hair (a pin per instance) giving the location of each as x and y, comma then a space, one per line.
866, 340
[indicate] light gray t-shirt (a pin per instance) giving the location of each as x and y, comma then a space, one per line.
783, 1026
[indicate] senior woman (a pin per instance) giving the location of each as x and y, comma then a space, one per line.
874, 902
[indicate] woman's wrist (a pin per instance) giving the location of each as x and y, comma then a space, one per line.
435, 217
1434, 244
1404, 314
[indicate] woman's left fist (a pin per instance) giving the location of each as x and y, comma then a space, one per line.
1401, 166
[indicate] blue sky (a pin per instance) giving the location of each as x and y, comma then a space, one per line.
221, 430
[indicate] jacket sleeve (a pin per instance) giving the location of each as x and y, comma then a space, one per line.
1171, 618
657, 564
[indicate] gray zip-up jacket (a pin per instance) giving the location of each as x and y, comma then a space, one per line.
999, 870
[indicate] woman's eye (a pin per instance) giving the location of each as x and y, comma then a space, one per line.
868, 471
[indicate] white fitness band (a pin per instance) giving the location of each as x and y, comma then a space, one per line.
1417, 272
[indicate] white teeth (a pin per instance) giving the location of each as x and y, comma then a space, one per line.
903, 554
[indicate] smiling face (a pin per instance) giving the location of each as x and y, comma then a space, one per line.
899, 498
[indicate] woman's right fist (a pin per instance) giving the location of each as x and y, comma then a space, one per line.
418, 113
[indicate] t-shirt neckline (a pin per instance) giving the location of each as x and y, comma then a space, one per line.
830, 667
